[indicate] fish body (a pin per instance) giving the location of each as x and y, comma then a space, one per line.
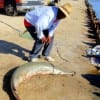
33, 68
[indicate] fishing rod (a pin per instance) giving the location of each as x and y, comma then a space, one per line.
11, 27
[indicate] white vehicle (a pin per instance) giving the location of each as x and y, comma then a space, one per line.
12, 7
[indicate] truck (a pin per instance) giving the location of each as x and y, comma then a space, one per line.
13, 7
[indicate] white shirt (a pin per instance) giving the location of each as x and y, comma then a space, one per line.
43, 18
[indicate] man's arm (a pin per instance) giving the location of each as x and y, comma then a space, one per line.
53, 27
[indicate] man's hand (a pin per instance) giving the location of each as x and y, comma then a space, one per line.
44, 39
48, 39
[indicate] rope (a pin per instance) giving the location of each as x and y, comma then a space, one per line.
58, 52
12, 27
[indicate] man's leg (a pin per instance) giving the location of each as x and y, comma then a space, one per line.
32, 32
47, 48
36, 49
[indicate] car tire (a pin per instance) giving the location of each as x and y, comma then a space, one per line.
10, 8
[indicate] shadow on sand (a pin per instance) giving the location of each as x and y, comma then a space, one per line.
91, 28
12, 48
94, 80
6, 83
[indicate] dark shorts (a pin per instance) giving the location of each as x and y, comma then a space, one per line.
33, 33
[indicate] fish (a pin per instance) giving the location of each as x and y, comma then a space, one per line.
95, 61
27, 70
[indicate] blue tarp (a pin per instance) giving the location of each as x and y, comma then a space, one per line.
93, 1
96, 7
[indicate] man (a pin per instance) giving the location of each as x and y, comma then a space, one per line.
41, 24
53, 2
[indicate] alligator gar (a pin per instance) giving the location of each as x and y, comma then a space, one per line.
27, 70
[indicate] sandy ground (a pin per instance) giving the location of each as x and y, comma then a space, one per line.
71, 42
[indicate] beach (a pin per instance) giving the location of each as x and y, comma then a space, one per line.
69, 51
